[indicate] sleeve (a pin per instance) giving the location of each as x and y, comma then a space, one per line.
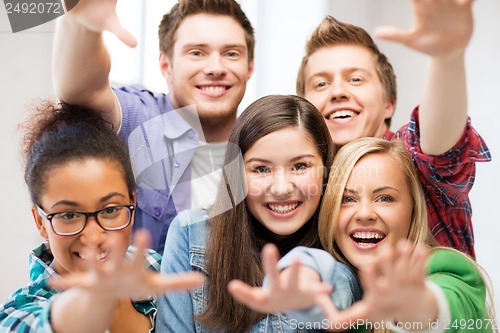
463, 286
175, 310
448, 176
137, 105
346, 289
148, 306
26, 313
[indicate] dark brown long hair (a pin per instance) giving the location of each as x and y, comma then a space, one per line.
236, 237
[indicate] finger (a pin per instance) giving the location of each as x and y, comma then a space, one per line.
163, 283
293, 277
404, 263
270, 257
120, 32
393, 34
253, 297
385, 268
142, 239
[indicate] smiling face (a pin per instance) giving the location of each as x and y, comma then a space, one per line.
343, 83
376, 209
85, 186
209, 66
284, 173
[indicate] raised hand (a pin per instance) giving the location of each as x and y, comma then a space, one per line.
440, 28
296, 287
394, 289
99, 16
120, 278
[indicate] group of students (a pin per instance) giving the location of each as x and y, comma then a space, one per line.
370, 223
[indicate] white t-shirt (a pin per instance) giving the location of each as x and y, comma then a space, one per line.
206, 172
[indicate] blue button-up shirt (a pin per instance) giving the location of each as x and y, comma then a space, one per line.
162, 146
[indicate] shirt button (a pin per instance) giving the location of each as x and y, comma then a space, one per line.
176, 164
157, 211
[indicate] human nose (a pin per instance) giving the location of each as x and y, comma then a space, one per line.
215, 65
282, 184
93, 234
365, 212
339, 91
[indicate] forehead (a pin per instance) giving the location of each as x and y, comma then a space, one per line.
84, 180
201, 29
379, 170
338, 58
286, 142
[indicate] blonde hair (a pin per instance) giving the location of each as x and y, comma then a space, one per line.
345, 161
343, 164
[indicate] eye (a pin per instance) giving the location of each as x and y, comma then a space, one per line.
320, 85
347, 199
355, 80
385, 198
110, 211
195, 53
261, 169
232, 54
300, 167
68, 216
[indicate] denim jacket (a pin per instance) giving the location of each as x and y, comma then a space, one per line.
185, 251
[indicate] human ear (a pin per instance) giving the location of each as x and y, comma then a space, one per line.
166, 67
39, 223
133, 201
389, 109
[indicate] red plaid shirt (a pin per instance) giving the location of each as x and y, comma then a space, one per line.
447, 180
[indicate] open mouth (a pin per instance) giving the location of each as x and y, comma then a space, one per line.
283, 208
341, 114
367, 238
99, 256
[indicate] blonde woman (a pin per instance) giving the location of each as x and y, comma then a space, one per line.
373, 218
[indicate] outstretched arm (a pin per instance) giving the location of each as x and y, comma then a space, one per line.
80, 61
104, 293
442, 29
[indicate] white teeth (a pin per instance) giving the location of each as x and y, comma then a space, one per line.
368, 235
213, 88
100, 256
341, 114
283, 209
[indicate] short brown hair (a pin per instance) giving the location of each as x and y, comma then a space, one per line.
184, 8
332, 32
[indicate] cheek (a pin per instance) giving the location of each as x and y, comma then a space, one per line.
311, 185
255, 188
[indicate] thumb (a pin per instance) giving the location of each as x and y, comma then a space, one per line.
121, 33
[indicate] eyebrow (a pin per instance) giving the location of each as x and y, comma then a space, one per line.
349, 70
377, 190
262, 160
74, 204
204, 45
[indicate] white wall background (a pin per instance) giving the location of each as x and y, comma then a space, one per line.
281, 29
